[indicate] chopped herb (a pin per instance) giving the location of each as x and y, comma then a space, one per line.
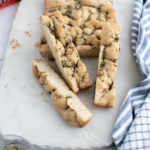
102, 65
68, 96
44, 41
47, 24
13, 147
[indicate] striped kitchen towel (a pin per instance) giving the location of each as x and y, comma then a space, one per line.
132, 128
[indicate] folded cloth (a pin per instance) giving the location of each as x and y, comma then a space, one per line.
132, 127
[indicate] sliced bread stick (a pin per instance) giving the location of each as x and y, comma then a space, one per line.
67, 103
107, 65
64, 51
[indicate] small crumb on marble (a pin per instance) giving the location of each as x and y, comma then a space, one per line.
93, 107
95, 82
28, 24
44, 100
41, 94
27, 33
37, 44
6, 86
9, 57
1, 59
15, 44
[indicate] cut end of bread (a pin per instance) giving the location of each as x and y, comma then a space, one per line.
44, 49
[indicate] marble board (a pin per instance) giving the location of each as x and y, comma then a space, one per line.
25, 107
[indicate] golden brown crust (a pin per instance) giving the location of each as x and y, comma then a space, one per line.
53, 5
96, 3
44, 49
34, 69
107, 66
45, 52
87, 15
66, 102
65, 52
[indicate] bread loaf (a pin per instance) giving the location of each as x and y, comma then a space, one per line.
84, 19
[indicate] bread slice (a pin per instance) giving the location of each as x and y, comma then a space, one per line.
85, 20
44, 49
46, 52
64, 51
67, 103
107, 65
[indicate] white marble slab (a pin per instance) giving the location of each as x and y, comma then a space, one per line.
22, 108
7, 15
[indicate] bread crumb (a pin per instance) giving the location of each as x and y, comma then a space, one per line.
27, 33
12, 41
6, 86
95, 82
93, 107
37, 44
41, 94
28, 24
15, 44
44, 100
9, 57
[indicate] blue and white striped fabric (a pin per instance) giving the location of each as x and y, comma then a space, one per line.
132, 128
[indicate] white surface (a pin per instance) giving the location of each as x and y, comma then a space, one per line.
23, 112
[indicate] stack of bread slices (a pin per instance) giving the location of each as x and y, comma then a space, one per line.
73, 29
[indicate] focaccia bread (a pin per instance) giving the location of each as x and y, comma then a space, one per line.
64, 51
46, 52
107, 65
85, 20
67, 103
